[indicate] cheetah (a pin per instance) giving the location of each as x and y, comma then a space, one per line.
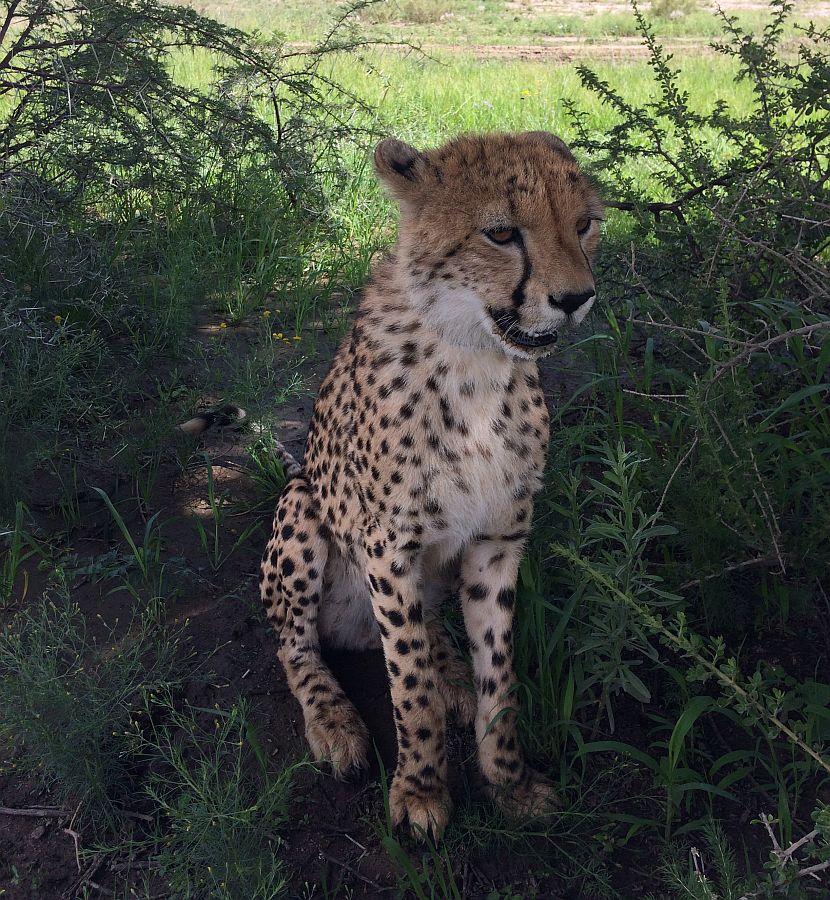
426, 447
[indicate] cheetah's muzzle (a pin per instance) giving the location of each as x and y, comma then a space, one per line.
507, 325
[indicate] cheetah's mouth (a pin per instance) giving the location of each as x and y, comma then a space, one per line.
507, 325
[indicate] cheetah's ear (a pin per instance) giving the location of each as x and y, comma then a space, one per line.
555, 143
400, 167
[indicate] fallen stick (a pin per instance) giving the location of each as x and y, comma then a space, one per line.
37, 812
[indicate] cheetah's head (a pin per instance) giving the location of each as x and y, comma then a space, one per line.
497, 236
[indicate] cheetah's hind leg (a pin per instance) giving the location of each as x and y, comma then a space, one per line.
291, 582
455, 672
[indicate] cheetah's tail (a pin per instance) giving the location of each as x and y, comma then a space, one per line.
227, 416
289, 463
231, 416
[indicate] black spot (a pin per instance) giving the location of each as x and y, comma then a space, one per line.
477, 591
394, 617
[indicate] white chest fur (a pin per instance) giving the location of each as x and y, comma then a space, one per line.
490, 451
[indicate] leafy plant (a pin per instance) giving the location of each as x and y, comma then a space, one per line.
70, 702
17, 549
266, 471
672, 9
211, 541
147, 555
601, 517
151, 157
435, 878
221, 809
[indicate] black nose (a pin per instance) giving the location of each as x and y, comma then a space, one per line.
570, 303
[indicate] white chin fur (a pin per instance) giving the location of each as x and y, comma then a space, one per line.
459, 316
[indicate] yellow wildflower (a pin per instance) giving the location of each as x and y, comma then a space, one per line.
223, 324
59, 319
297, 337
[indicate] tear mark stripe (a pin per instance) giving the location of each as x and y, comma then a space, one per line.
518, 295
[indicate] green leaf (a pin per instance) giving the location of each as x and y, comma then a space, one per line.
796, 398
619, 747
397, 854
694, 709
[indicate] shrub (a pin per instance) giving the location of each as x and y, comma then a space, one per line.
220, 809
715, 357
672, 9
95, 106
126, 191
416, 12
710, 368
70, 701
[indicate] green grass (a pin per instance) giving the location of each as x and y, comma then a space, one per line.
73, 701
427, 100
221, 808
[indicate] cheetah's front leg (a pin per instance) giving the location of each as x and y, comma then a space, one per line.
418, 793
489, 569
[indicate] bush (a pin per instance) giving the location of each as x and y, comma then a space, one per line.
416, 12
71, 702
710, 384
672, 9
716, 354
95, 107
126, 192
220, 809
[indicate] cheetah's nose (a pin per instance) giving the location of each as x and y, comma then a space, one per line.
570, 303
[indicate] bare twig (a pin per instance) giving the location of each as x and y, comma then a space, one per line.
735, 567
786, 856
677, 468
85, 878
37, 812
77, 840
767, 511
761, 346
352, 871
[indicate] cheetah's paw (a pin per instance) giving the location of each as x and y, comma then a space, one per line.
338, 736
533, 796
461, 702
426, 812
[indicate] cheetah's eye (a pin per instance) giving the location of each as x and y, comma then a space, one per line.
583, 226
501, 235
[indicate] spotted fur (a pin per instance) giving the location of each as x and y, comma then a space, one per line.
425, 449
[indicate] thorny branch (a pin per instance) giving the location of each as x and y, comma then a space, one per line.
784, 857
